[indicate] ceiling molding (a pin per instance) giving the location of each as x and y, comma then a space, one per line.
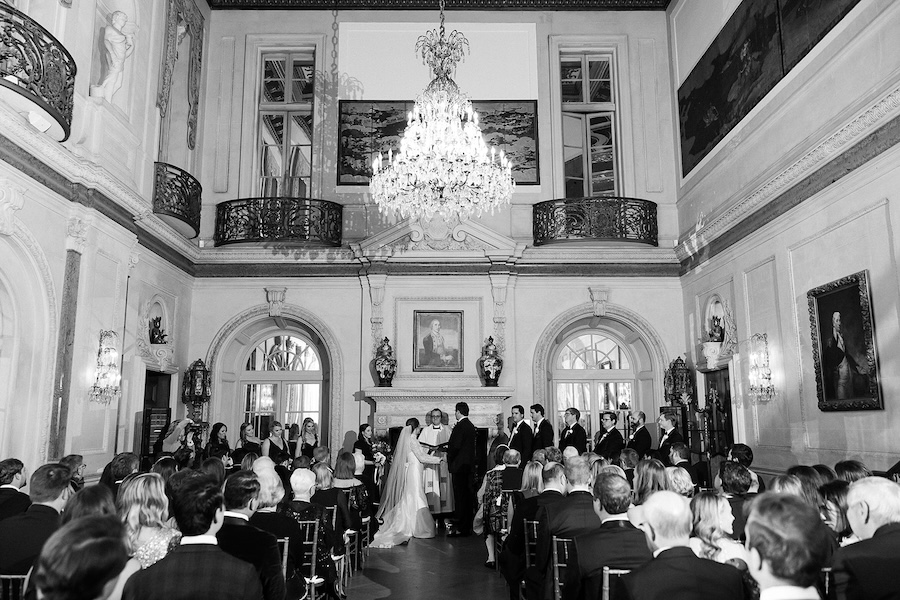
510, 5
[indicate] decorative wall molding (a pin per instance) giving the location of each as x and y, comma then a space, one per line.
182, 18
866, 123
376, 293
77, 231
12, 198
599, 298
275, 298
499, 288
517, 5
159, 357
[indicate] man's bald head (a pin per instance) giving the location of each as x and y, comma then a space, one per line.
665, 517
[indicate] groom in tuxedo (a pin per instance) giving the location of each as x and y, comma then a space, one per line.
461, 457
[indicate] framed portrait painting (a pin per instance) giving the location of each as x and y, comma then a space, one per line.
843, 340
437, 340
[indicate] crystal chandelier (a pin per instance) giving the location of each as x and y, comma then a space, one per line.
443, 166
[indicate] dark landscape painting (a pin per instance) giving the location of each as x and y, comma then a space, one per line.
805, 22
366, 128
737, 70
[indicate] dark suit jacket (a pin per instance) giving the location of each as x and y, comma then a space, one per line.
522, 440
512, 558
692, 471
260, 548
617, 545
461, 447
195, 571
22, 536
543, 437
282, 526
12, 502
664, 448
568, 518
573, 436
677, 573
641, 441
869, 568
610, 444
737, 503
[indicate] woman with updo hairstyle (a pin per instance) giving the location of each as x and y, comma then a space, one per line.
94, 500
713, 525
144, 509
649, 477
165, 467
81, 559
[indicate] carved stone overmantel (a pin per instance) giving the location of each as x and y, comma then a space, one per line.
377, 284
393, 406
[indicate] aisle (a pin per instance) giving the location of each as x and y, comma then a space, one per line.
432, 569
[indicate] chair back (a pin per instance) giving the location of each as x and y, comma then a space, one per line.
284, 547
309, 540
563, 552
609, 574
826, 580
12, 587
331, 516
531, 535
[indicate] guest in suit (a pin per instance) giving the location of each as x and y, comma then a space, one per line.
628, 460
667, 436
242, 540
121, 466
735, 485
198, 568
574, 434
461, 457
675, 571
609, 443
24, 534
787, 544
543, 430
870, 568
13, 477
521, 437
568, 518
82, 558
680, 456
615, 544
639, 440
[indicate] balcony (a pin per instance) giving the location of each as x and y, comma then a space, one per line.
294, 221
37, 73
602, 218
176, 198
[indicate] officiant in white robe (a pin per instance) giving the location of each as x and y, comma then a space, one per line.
438, 487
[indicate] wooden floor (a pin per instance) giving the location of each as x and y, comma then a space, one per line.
434, 569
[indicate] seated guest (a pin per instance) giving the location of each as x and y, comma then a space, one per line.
197, 568
570, 517
539, 455
215, 468
735, 484
834, 511
82, 559
810, 482
512, 557
329, 496
91, 500
851, 470
24, 534
628, 460
531, 481
680, 481
616, 544
322, 455
242, 540
280, 525
787, 484
144, 509
76, 466
353, 488
675, 571
301, 462
165, 467
649, 477
743, 455
712, 527
569, 452
121, 466
512, 475
826, 472
870, 568
301, 509
786, 543
13, 478
680, 456
554, 454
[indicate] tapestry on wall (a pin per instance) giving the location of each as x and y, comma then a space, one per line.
756, 48
366, 128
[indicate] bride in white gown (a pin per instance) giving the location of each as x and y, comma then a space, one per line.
404, 509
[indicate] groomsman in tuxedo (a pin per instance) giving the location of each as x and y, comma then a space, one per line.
461, 457
521, 437
639, 440
543, 430
667, 436
574, 434
609, 441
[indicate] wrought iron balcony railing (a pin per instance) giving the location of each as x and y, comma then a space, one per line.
300, 221
602, 218
37, 73
176, 198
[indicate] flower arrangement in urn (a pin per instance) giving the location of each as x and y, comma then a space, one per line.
491, 363
385, 363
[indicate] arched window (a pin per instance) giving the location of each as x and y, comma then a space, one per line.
593, 372
282, 381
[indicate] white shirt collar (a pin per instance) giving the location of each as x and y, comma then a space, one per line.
622, 517
789, 592
10, 486
236, 515
461, 419
199, 539
659, 551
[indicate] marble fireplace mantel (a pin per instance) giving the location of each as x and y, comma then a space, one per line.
394, 405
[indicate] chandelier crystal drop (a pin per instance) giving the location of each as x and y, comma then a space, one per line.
443, 166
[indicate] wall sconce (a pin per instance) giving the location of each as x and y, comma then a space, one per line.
106, 384
196, 388
761, 388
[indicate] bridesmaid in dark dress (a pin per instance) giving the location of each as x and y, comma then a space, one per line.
309, 438
275, 444
363, 445
247, 441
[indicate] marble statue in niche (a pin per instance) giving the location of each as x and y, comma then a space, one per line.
118, 45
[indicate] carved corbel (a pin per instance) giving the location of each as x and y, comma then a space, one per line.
134, 256
275, 298
77, 232
599, 298
499, 287
12, 198
376, 293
